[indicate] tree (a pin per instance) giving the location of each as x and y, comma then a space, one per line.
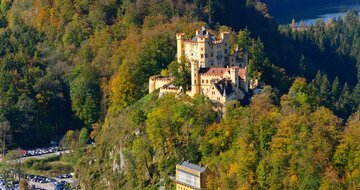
83, 136
344, 104
181, 71
85, 93
348, 154
4, 134
69, 140
24, 184
325, 92
243, 38
303, 64
356, 96
335, 90
125, 87
300, 93
12, 157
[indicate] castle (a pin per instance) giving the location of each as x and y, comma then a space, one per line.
215, 72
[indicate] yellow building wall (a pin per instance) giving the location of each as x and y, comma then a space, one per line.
183, 187
206, 84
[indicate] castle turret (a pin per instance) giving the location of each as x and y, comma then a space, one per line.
180, 37
195, 78
152, 85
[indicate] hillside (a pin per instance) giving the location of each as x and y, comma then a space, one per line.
71, 65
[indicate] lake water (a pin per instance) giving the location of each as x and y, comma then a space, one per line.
327, 12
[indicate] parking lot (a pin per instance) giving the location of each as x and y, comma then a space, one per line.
40, 151
47, 183
8, 185
36, 182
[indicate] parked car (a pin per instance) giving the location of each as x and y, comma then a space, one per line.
64, 176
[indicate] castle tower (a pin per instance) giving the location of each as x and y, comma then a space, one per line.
195, 78
202, 51
180, 38
234, 76
225, 36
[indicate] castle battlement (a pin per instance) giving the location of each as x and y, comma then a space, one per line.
160, 78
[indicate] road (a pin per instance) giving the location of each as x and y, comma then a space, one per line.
43, 156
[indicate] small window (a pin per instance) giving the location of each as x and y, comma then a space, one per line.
202, 55
225, 44
213, 93
207, 81
226, 51
202, 49
194, 81
202, 81
212, 54
218, 99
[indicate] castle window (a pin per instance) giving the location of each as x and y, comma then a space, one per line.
202, 81
194, 81
218, 99
206, 55
202, 55
212, 54
226, 51
202, 49
207, 81
213, 93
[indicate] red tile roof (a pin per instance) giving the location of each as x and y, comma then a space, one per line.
242, 73
213, 71
221, 72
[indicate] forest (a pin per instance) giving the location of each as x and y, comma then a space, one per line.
71, 65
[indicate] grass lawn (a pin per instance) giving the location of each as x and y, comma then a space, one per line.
49, 167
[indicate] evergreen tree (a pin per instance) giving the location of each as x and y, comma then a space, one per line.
325, 91
344, 104
356, 97
335, 90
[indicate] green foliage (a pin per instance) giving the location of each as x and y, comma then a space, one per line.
90, 61
83, 137
181, 71
85, 93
